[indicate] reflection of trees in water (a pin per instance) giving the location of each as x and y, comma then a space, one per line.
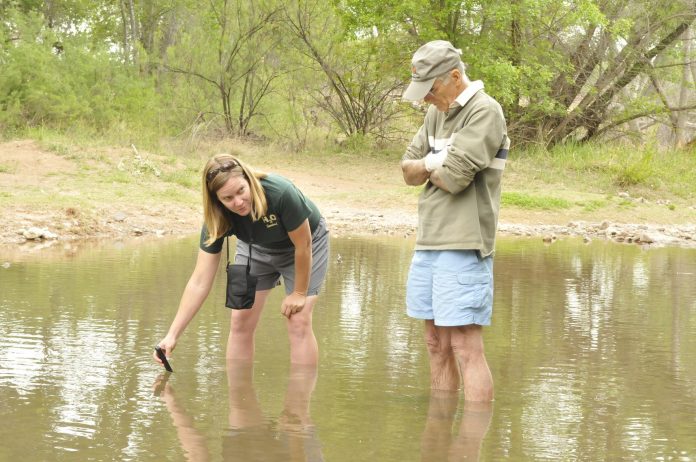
597, 328
367, 288
594, 344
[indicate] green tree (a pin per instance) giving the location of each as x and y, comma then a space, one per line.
220, 47
562, 69
559, 67
57, 76
360, 69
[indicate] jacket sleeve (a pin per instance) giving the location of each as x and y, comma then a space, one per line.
419, 146
473, 147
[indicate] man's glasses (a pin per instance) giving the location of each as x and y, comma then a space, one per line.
226, 167
432, 90
440, 81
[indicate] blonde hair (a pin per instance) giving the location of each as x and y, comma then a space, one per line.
216, 172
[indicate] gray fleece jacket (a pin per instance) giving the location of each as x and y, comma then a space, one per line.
475, 136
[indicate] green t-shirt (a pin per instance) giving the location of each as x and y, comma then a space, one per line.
288, 208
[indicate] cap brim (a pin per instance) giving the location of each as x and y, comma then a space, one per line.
416, 91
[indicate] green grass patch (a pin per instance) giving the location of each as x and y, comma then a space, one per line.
118, 176
592, 205
528, 201
635, 171
604, 168
8, 167
59, 149
174, 194
188, 178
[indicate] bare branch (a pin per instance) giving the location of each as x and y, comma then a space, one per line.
661, 94
643, 114
189, 72
662, 66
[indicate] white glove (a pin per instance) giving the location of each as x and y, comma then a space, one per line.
435, 160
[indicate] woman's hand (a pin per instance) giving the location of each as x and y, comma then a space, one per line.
167, 344
293, 303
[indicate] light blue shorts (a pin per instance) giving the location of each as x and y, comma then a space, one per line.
451, 287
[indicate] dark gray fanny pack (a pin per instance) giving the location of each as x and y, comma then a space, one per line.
241, 284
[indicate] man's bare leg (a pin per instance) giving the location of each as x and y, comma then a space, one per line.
467, 344
444, 374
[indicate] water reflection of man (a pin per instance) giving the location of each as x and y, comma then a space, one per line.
438, 443
251, 436
459, 154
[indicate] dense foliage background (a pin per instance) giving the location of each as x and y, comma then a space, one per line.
302, 72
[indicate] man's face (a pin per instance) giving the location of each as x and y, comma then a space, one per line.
443, 93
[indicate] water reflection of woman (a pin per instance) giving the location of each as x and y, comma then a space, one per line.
251, 436
288, 238
438, 443
192, 442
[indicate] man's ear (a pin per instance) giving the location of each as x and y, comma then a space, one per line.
457, 77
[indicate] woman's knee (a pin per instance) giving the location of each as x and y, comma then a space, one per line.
245, 321
299, 325
243, 325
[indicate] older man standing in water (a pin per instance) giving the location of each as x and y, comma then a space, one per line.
459, 153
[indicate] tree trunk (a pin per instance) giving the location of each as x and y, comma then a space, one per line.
133, 21
591, 112
148, 26
124, 23
246, 93
680, 135
226, 110
516, 58
48, 11
663, 97
170, 33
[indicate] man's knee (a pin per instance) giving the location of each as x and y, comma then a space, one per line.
466, 353
467, 342
436, 344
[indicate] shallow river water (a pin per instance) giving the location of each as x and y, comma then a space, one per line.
592, 350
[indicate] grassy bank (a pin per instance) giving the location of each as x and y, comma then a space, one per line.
620, 182
588, 182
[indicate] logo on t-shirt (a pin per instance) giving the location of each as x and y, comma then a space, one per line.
270, 220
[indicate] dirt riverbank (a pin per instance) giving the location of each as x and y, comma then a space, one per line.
52, 197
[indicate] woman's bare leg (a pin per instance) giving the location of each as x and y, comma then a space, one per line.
240, 343
303, 343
